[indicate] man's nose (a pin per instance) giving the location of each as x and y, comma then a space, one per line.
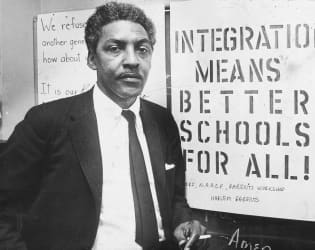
131, 58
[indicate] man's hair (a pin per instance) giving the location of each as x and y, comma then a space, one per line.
114, 11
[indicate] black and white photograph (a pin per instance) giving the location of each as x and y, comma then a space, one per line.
157, 124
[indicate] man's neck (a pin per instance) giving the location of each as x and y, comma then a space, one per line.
124, 103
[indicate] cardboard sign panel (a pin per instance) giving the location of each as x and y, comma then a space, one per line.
243, 96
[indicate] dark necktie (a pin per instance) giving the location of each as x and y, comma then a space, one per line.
146, 226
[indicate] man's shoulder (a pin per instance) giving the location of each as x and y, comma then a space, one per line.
60, 108
153, 107
45, 118
68, 100
64, 103
160, 114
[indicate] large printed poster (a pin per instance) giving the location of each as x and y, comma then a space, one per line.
61, 55
243, 83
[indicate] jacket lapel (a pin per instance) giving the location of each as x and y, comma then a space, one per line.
84, 135
153, 137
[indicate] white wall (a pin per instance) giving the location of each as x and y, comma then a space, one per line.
62, 5
16, 59
1, 83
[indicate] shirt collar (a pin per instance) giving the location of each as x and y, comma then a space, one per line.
135, 107
104, 104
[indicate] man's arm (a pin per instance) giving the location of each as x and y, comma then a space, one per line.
181, 210
20, 176
186, 230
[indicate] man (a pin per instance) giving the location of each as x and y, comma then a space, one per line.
101, 170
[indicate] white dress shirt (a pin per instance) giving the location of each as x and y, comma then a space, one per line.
117, 226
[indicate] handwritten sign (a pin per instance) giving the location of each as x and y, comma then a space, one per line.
236, 242
242, 94
61, 55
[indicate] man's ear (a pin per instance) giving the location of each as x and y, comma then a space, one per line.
91, 61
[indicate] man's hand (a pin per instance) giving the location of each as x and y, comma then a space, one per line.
188, 232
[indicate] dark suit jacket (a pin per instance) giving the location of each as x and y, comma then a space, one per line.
51, 175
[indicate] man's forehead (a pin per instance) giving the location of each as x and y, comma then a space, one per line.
124, 30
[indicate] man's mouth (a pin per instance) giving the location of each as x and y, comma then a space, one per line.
130, 76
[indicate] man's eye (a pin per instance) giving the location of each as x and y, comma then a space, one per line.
144, 50
113, 49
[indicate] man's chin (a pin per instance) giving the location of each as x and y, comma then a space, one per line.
131, 93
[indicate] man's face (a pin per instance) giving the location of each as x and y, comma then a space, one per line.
122, 60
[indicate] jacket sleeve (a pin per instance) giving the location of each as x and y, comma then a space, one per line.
181, 209
20, 176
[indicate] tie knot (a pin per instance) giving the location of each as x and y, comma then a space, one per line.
129, 115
